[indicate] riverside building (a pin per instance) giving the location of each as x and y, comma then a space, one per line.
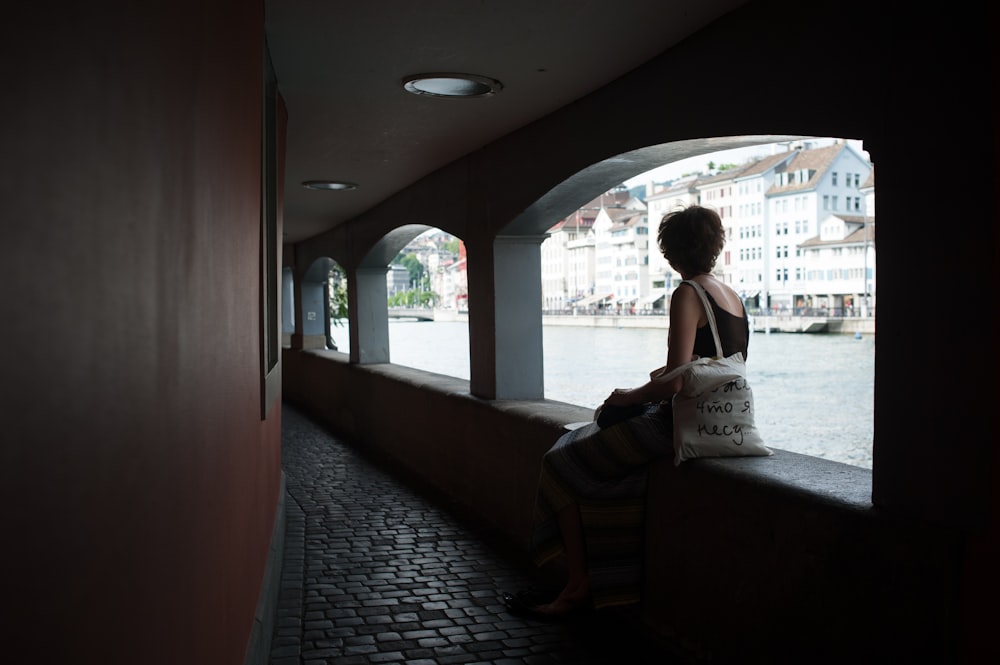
799, 226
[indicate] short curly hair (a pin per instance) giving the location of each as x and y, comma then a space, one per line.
691, 239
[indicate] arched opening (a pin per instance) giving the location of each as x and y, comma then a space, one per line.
428, 300
316, 309
333, 300
799, 219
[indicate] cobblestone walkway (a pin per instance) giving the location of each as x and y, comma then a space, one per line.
375, 573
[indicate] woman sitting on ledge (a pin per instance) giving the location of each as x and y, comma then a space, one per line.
592, 488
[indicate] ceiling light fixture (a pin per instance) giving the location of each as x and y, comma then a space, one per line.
444, 84
329, 184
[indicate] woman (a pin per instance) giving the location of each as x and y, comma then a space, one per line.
591, 491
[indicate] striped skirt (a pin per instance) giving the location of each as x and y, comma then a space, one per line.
604, 472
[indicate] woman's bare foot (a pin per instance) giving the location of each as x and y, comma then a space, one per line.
568, 601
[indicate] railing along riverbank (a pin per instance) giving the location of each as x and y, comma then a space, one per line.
804, 321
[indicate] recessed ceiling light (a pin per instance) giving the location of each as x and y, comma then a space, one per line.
328, 184
444, 84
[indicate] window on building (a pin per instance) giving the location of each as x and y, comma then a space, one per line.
833, 178
270, 261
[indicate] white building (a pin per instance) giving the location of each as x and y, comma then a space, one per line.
867, 303
397, 280
719, 192
568, 261
807, 189
622, 256
568, 255
661, 200
745, 233
841, 262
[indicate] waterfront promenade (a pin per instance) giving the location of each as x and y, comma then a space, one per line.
781, 322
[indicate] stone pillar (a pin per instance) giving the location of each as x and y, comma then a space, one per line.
934, 447
482, 313
518, 317
369, 316
310, 333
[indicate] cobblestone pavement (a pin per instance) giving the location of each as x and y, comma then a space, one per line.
376, 573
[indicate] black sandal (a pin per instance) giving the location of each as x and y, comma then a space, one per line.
525, 604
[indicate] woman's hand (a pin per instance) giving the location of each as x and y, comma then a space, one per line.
624, 397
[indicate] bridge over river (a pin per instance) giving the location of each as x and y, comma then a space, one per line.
422, 314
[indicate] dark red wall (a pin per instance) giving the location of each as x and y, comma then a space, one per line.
139, 481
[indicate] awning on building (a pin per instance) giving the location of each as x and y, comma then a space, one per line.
647, 301
591, 300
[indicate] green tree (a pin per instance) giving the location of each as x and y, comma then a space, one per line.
428, 298
338, 295
412, 264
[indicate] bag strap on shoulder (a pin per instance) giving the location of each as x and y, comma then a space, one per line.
677, 371
709, 313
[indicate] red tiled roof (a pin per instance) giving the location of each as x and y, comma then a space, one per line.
817, 161
869, 182
765, 163
858, 235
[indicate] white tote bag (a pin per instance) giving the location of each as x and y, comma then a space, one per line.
714, 410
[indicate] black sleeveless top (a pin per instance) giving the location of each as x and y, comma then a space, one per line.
734, 333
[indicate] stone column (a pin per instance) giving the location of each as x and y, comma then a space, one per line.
310, 333
369, 316
482, 343
518, 317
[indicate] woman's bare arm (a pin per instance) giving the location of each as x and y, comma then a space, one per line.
686, 314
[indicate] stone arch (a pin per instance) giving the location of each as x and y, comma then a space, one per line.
368, 294
309, 292
588, 183
389, 245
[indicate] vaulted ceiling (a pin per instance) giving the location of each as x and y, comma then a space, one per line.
340, 67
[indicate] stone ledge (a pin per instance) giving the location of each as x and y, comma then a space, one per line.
802, 476
799, 476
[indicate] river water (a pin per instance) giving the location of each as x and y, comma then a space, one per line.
814, 394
